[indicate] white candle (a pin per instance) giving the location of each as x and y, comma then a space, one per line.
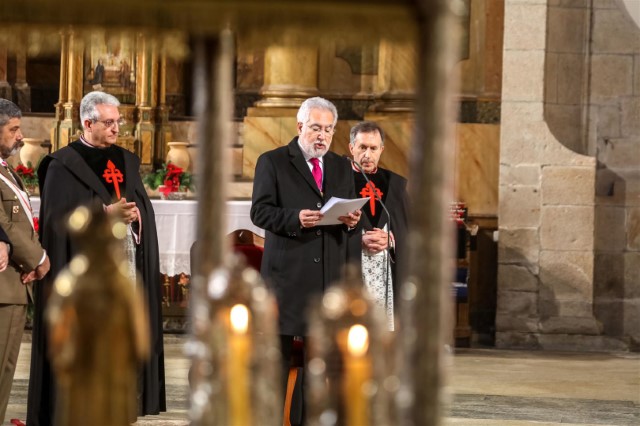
238, 359
356, 374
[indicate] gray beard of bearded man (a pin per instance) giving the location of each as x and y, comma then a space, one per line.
6, 153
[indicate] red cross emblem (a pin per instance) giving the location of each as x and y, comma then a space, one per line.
113, 175
371, 191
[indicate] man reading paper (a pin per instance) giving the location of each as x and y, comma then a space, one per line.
291, 185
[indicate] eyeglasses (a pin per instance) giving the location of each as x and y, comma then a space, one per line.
316, 130
110, 123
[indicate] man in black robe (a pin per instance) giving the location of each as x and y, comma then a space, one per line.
379, 245
94, 169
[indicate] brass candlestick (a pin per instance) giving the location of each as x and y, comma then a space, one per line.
350, 370
239, 361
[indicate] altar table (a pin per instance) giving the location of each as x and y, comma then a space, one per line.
176, 224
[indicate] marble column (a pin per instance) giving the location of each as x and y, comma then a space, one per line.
290, 76
5, 87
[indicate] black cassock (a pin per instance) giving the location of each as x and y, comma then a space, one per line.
392, 189
68, 181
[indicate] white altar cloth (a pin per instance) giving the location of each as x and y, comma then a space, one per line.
176, 223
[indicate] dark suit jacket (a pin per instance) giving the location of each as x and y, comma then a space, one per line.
26, 251
396, 201
298, 263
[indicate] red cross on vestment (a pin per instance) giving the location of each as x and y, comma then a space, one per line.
113, 175
371, 191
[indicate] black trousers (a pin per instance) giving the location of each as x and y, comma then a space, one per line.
294, 355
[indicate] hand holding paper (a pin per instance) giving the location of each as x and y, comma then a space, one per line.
338, 207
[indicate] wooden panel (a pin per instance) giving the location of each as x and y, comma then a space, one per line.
477, 167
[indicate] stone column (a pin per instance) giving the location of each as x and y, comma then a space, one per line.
290, 76
5, 87
546, 211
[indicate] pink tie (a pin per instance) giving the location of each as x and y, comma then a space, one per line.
317, 172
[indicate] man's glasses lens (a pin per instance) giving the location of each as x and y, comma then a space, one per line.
111, 123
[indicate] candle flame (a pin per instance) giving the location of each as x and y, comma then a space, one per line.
239, 319
358, 340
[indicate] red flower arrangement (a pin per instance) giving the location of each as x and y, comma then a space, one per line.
27, 174
172, 179
169, 178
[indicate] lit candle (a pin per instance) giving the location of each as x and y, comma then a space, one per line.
238, 359
356, 374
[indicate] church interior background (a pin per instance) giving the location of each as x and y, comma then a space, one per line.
545, 146
546, 142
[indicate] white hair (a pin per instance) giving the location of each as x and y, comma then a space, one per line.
91, 100
316, 103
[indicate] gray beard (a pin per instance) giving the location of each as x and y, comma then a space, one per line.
11, 153
311, 152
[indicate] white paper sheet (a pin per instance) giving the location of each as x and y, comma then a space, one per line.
337, 207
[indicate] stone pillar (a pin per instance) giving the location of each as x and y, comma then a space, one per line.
290, 76
22, 89
5, 87
146, 77
396, 77
547, 208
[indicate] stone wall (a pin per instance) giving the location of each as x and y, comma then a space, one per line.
568, 267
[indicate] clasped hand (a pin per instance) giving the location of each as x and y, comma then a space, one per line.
375, 241
26, 277
124, 210
38, 273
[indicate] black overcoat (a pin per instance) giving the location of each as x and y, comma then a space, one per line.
67, 182
298, 263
